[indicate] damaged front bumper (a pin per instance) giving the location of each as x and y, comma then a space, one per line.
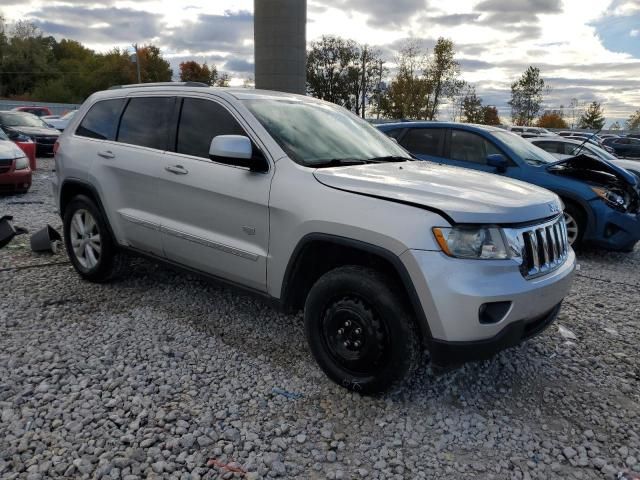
611, 229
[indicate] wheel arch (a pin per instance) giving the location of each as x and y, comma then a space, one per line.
71, 188
317, 253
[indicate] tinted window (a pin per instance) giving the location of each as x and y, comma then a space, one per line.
200, 121
145, 122
395, 133
424, 141
551, 147
102, 120
470, 147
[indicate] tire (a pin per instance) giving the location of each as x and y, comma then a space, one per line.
86, 231
360, 331
575, 220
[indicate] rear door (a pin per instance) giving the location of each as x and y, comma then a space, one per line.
215, 215
128, 167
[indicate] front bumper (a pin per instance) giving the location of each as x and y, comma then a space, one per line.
15, 181
452, 291
612, 230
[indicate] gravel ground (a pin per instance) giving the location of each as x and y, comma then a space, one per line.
164, 375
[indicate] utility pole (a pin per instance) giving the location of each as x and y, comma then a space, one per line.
364, 79
135, 45
380, 86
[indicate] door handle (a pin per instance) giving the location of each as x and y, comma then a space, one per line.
177, 169
107, 154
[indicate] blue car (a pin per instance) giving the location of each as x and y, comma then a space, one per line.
602, 201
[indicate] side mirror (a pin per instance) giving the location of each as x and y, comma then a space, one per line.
498, 161
237, 150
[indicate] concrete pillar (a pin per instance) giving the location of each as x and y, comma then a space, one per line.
280, 38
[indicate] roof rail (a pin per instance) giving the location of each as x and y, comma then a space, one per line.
161, 84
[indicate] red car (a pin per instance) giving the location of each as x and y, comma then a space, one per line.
15, 172
38, 111
28, 146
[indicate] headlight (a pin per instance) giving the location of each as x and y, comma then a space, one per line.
615, 199
22, 163
485, 243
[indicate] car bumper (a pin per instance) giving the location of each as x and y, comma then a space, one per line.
612, 230
15, 181
452, 292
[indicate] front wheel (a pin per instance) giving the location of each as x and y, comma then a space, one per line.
359, 330
575, 223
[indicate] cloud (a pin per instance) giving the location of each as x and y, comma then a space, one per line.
110, 25
231, 32
239, 65
531, 7
388, 14
634, 33
454, 19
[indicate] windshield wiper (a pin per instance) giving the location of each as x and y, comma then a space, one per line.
389, 158
339, 162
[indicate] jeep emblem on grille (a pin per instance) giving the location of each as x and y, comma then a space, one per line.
553, 208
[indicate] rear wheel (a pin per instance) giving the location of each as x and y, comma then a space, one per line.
360, 331
90, 247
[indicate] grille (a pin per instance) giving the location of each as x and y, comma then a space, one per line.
5, 165
543, 247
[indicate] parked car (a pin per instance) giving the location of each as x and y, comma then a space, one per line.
385, 254
29, 126
15, 173
61, 122
592, 141
564, 148
625, 147
34, 110
538, 131
602, 201
633, 135
27, 145
604, 136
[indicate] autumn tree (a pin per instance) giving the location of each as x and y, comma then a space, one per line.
442, 74
472, 107
490, 115
526, 97
153, 67
634, 121
192, 71
552, 119
593, 117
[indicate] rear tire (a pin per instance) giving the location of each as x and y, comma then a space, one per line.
360, 331
89, 244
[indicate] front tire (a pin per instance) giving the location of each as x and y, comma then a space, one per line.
90, 247
360, 331
574, 219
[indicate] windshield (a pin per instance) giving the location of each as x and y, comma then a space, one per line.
21, 120
315, 134
527, 151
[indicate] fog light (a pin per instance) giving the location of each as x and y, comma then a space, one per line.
493, 312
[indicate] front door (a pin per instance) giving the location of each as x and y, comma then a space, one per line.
216, 216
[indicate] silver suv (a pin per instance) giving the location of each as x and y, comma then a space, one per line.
306, 204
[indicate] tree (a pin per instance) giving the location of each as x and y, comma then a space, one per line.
526, 97
552, 119
442, 73
490, 115
634, 121
192, 71
472, 107
329, 77
153, 68
223, 80
593, 117
574, 111
408, 92
615, 126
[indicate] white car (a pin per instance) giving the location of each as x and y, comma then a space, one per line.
538, 131
61, 122
304, 203
562, 148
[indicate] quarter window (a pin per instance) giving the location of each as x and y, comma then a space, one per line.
469, 147
101, 121
145, 122
424, 141
200, 121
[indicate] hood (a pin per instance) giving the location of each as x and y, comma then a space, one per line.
587, 168
35, 131
9, 150
464, 195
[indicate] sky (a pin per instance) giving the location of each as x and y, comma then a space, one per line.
585, 49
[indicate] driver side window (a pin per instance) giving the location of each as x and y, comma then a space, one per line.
470, 147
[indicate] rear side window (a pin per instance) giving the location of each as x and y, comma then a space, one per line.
470, 147
551, 147
200, 121
145, 122
101, 121
424, 141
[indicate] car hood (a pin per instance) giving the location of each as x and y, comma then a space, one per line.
464, 195
585, 167
9, 150
35, 131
